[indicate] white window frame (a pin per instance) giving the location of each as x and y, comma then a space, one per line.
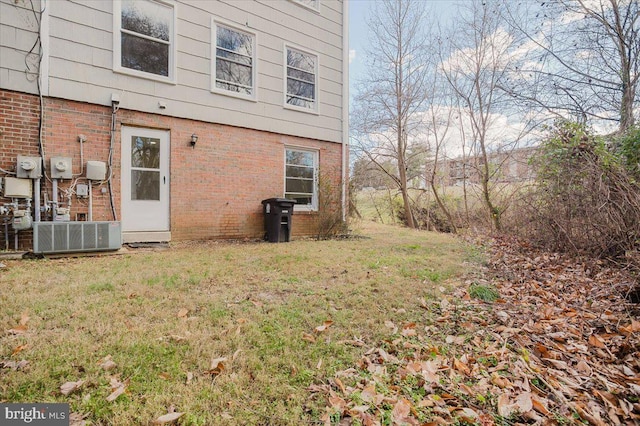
215, 23
305, 4
313, 110
316, 167
117, 44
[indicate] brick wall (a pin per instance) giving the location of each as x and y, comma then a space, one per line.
216, 187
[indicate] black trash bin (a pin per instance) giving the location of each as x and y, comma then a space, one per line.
277, 219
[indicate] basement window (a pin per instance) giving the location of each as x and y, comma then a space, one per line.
301, 178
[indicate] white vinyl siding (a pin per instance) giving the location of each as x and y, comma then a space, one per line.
144, 38
233, 61
82, 59
301, 79
301, 178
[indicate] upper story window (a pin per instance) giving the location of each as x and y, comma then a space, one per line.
301, 79
234, 61
144, 38
312, 4
301, 170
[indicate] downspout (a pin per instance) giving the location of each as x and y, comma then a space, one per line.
345, 107
43, 90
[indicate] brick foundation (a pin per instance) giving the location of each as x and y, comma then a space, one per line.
216, 187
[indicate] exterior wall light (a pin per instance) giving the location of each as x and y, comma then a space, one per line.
194, 139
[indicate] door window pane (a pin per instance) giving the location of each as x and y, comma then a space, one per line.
145, 185
145, 152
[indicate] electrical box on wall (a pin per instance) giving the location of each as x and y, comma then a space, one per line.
61, 168
29, 167
96, 170
17, 188
82, 190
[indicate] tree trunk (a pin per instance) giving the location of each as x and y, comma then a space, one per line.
405, 192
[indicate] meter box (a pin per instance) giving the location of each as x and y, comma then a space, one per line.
96, 170
61, 168
17, 188
29, 167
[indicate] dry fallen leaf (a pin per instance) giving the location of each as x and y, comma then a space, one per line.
461, 367
24, 318
505, 408
631, 328
19, 349
167, 418
182, 313
117, 387
596, 341
308, 337
70, 387
107, 363
116, 393
19, 365
18, 329
337, 403
324, 326
217, 366
401, 411
524, 403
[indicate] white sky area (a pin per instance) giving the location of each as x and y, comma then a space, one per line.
359, 10
504, 131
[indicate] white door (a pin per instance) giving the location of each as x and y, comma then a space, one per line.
145, 180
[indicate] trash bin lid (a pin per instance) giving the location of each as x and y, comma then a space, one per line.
278, 201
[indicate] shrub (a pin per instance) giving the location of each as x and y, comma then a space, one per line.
585, 200
328, 220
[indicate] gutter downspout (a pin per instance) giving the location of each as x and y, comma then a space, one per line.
43, 90
345, 107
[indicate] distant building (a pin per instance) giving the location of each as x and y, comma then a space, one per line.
508, 167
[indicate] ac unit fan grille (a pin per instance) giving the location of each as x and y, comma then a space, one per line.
67, 237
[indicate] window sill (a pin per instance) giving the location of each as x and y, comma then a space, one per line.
234, 95
300, 109
145, 75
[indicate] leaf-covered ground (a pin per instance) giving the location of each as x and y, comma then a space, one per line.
535, 338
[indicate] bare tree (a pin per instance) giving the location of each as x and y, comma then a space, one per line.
479, 56
582, 58
439, 119
385, 118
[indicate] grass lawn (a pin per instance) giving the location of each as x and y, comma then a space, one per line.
226, 333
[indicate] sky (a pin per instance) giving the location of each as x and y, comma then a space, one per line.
359, 11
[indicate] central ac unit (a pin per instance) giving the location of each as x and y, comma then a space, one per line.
69, 237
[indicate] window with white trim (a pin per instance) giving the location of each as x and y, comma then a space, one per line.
145, 38
312, 4
301, 178
234, 60
301, 79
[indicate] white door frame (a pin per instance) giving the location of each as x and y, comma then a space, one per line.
145, 210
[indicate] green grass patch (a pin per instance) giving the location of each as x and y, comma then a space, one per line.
163, 316
486, 293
